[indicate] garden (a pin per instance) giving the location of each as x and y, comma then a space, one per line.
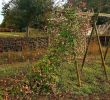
56, 61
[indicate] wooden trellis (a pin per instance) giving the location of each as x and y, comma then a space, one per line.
103, 56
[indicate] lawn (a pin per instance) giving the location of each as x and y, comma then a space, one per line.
33, 33
12, 34
8, 70
93, 78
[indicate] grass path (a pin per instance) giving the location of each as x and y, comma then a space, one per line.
10, 34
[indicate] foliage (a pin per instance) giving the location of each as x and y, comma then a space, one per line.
23, 13
101, 5
49, 74
1, 94
47, 71
21, 56
91, 5
14, 70
54, 73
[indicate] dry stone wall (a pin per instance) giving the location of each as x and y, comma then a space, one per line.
18, 44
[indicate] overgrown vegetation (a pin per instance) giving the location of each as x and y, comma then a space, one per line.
58, 71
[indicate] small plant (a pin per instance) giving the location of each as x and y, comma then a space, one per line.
47, 73
1, 94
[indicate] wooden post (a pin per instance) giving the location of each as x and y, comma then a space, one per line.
94, 21
87, 49
77, 71
100, 49
107, 50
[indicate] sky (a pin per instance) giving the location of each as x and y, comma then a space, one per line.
57, 2
1, 17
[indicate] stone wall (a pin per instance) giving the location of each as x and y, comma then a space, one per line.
19, 44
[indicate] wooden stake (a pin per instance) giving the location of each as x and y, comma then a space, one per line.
107, 50
100, 49
87, 49
94, 21
77, 71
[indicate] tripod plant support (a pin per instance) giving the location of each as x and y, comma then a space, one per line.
89, 40
94, 29
101, 53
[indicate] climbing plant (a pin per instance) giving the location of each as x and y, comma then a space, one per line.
64, 27
56, 71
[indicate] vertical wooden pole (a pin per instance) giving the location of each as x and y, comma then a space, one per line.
78, 74
100, 49
87, 49
94, 21
107, 49
105, 55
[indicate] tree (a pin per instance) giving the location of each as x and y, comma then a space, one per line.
94, 5
25, 13
99, 5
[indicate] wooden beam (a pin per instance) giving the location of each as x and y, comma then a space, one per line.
91, 14
87, 13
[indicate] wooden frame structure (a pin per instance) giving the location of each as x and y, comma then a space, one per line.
103, 56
